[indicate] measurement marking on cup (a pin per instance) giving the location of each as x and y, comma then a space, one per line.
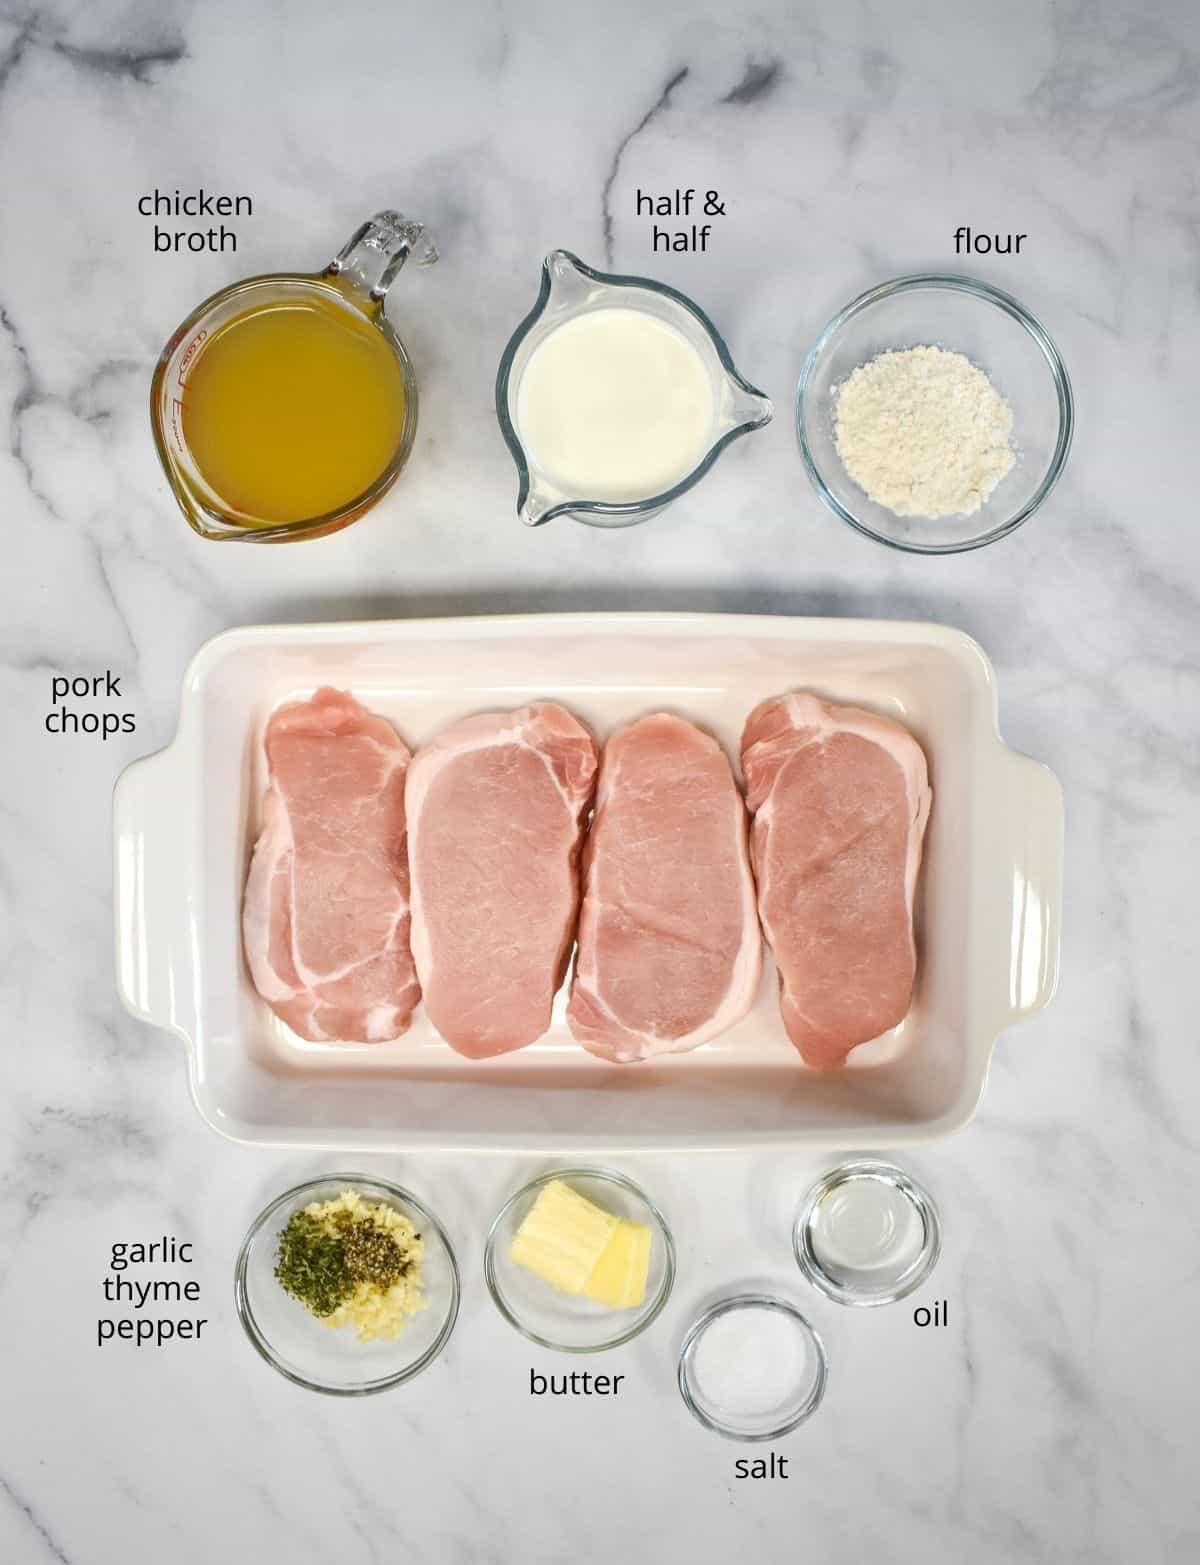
189, 354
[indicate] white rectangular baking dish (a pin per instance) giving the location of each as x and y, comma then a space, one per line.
988, 900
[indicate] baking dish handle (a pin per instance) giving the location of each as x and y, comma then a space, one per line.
154, 890
1034, 824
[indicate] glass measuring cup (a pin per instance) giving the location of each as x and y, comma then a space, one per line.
570, 289
356, 279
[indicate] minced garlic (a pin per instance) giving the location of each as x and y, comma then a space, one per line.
353, 1262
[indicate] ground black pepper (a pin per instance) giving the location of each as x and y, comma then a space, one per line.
372, 1255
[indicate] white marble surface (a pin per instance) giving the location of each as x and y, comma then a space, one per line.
1055, 1419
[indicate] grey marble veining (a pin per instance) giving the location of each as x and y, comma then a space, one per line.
1056, 1419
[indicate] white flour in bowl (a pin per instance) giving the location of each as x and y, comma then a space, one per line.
924, 432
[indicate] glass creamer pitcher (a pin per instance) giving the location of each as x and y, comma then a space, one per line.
285, 405
616, 395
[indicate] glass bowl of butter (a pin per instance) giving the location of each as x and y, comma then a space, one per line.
580, 1260
616, 395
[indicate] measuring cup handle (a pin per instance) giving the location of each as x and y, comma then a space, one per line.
375, 252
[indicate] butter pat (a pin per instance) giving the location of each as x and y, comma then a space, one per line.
579, 1248
619, 1276
563, 1237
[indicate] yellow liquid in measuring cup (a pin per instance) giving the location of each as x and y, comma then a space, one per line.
293, 409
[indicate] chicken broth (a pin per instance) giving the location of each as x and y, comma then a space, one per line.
293, 409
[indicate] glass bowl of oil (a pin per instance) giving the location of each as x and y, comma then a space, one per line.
285, 406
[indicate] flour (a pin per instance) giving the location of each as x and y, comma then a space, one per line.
924, 432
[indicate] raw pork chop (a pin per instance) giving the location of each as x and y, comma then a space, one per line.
495, 806
669, 947
840, 798
325, 918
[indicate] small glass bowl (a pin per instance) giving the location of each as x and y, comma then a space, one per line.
322, 1358
867, 1234
799, 1395
1000, 337
561, 1320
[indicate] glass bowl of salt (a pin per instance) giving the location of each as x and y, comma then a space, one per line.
752, 1368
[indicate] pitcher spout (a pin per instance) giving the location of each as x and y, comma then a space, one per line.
567, 282
748, 408
539, 501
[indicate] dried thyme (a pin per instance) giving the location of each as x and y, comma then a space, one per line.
311, 1265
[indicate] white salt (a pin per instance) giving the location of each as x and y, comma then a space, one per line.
750, 1361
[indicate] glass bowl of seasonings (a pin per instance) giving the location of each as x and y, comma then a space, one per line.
934, 414
347, 1285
